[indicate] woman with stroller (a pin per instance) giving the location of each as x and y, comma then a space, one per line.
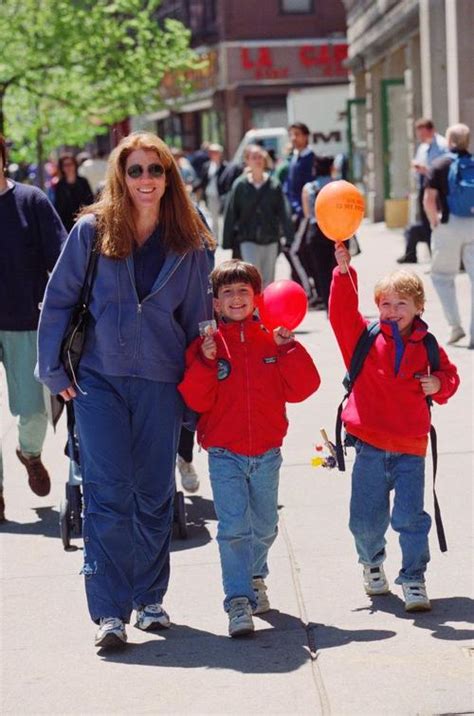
148, 296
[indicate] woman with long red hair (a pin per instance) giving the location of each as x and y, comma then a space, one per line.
149, 294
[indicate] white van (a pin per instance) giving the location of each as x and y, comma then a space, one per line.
273, 139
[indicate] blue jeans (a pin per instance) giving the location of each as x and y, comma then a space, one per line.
128, 432
245, 493
374, 475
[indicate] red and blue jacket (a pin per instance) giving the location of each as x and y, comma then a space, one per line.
241, 395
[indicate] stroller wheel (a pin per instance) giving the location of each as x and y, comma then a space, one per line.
64, 524
180, 515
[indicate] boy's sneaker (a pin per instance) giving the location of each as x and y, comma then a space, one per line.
111, 633
240, 617
152, 617
375, 581
189, 477
416, 598
260, 589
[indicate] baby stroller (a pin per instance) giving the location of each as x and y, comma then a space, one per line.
70, 510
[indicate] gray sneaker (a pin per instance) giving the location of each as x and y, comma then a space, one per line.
240, 617
375, 581
189, 476
152, 617
260, 589
416, 598
111, 633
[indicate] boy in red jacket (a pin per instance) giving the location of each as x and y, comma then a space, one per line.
387, 418
239, 379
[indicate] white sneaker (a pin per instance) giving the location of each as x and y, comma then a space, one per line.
189, 477
240, 617
111, 633
260, 589
456, 334
152, 617
375, 581
416, 598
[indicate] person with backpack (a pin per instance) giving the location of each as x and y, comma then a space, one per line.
387, 419
449, 205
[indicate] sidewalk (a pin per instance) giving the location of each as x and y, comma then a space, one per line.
326, 648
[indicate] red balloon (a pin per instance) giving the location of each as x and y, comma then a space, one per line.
284, 303
339, 209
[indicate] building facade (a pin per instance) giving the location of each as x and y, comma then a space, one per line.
407, 59
255, 53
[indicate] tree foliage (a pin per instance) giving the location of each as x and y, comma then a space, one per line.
69, 68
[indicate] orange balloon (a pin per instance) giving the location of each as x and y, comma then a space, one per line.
339, 210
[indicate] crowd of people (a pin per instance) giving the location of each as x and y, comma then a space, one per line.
175, 345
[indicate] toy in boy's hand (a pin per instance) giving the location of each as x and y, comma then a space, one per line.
283, 303
339, 209
328, 461
207, 328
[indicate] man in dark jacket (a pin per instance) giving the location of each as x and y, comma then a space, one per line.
30, 242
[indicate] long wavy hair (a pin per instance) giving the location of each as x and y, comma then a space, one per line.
181, 225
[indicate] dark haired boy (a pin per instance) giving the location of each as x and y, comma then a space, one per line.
240, 379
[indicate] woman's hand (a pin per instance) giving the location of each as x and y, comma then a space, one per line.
342, 257
68, 394
209, 348
282, 336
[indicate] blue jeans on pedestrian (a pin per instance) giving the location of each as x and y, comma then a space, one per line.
375, 473
245, 493
128, 432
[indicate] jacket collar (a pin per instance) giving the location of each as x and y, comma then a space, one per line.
419, 330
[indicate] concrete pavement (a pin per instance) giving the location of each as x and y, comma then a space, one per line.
326, 648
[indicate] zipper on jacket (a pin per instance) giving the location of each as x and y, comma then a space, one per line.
247, 380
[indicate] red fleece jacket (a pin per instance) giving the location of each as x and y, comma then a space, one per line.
241, 395
386, 409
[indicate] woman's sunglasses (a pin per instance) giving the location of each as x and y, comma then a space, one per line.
154, 170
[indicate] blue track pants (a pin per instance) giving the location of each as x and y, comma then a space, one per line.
128, 432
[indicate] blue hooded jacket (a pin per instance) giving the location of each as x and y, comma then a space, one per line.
125, 337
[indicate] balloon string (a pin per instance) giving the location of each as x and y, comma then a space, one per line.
350, 277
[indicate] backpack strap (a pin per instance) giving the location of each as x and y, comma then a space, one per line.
432, 349
363, 346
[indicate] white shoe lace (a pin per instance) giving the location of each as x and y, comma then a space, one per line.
111, 623
153, 608
239, 608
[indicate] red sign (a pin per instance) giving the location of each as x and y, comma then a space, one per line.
293, 62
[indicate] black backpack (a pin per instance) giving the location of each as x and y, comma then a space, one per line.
361, 351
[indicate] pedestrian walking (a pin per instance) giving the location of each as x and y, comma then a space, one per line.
72, 191
212, 171
449, 206
319, 250
387, 419
30, 241
149, 294
239, 380
257, 215
432, 145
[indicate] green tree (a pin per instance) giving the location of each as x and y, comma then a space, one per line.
70, 68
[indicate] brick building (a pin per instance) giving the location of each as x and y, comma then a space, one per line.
256, 52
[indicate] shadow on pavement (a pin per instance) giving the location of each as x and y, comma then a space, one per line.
267, 651
443, 611
322, 636
199, 511
47, 525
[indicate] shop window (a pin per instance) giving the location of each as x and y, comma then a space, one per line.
296, 7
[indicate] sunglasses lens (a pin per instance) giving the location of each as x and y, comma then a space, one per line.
135, 171
156, 170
